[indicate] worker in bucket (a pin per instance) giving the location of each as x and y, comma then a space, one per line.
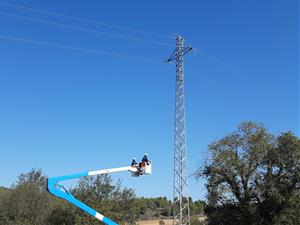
145, 160
133, 162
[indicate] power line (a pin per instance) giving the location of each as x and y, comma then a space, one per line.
78, 48
88, 20
85, 29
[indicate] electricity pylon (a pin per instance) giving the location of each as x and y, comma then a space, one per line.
181, 210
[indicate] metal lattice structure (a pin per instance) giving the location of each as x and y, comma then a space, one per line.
181, 211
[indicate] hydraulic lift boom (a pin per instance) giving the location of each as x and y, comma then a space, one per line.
59, 191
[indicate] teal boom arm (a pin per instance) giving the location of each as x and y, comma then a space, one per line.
55, 189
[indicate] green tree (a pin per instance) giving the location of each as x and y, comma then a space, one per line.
62, 214
111, 200
197, 207
27, 203
253, 177
3, 191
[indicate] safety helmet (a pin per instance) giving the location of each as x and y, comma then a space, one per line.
133, 158
145, 154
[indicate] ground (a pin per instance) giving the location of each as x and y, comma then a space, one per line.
166, 221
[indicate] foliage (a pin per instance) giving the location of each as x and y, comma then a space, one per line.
111, 200
197, 207
149, 208
28, 203
253, 178
161, 207
195, 221
3, 191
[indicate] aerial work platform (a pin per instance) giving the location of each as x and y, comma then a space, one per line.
58, 190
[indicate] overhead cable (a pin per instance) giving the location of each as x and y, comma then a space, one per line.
85, 29
78, 48
89, 20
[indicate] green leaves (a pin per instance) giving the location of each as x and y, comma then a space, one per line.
253, 176
28, 203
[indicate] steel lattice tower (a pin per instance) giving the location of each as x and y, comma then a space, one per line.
181, 211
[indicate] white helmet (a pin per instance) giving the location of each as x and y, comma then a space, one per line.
145, 154
133, 158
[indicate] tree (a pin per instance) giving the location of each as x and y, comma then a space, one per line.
3, 191
62, 214
27, 203
253, 176
111, 200
197, 207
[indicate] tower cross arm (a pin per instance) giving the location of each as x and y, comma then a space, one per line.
178, 52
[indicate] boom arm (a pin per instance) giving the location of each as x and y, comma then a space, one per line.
55, 189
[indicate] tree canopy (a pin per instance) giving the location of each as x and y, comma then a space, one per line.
28, 203
253, 177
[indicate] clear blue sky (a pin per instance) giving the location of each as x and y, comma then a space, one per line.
69, 111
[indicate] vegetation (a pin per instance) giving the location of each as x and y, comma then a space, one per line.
161, 207
28, 203
3, 191
253, 178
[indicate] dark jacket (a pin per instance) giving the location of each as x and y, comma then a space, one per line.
133, 163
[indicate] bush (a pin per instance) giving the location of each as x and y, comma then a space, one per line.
161, 222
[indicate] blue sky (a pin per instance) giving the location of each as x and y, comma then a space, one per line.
68, 111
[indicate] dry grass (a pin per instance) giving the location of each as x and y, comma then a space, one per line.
154, 222
166, 221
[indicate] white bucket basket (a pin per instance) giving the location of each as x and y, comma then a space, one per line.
144, 169
147, 169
